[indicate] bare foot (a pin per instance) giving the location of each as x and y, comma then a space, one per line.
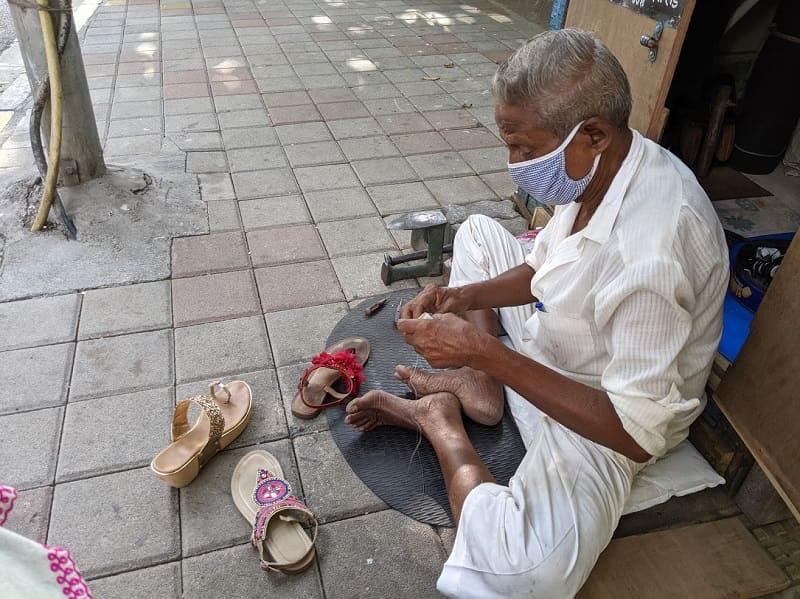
480, 395
379, 408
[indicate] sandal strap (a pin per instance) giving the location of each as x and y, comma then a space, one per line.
274, 495
276, 566
212, 389
351, 371
180, 423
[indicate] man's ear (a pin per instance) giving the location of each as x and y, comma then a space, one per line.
599, 133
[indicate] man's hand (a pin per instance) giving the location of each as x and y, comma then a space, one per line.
434, 300
445, 340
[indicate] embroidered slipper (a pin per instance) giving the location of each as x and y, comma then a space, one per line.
222, 420
265, 500
344, 360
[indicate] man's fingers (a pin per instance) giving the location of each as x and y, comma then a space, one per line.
407, 325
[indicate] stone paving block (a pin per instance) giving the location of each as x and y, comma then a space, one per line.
385, 106
412, 561
271, 212
207, 254
360, 276
339, 203
368, 147
30, 447
302, 133
404, 123
187, 106
189, 141
234, 572
162, 581
451, 119
206, 162
136, 512
233, 88
335, 176
297, 285
284, 245
342, 110
302, 113
128, 146
343, 237
31, 514
143, 125
402, 198
114, 433
210, 298
41, 377
238, 103
209, 518
299, 334
323, 81
326, 96
116, 365
127, 309
279, 84
460, 190
223, 215
267, 422
332, 489
349, 128
254, 159
256, 184
362, 78
289, 377
175, 91
315, 153
255, 117
204, 121
439, 165
487, 160
250, 137
434, 102
384, 170
420, 143
39, 321
286, 99
273, 71
501, 183
219, 349
376, 91
468, 139
216, 186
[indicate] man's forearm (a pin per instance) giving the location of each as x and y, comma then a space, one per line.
512, 288
585, 410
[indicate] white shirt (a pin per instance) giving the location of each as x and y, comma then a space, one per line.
632, 304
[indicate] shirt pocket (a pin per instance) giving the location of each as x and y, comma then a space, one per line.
568, 341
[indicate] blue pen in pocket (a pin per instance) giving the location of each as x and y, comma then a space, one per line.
540, 307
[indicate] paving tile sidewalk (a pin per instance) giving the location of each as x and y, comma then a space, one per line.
309, 123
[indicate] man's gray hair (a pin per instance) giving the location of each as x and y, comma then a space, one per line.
568, 75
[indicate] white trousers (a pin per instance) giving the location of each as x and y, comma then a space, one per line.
541, 535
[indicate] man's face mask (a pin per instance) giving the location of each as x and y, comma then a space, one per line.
546, 179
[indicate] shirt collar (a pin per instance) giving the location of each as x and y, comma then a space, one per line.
602, 222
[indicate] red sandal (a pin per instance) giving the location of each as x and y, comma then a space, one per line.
344, 360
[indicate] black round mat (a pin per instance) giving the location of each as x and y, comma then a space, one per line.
385, 459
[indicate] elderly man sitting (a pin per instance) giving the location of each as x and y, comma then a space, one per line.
613, 320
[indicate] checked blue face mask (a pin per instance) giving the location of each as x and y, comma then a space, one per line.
545, 178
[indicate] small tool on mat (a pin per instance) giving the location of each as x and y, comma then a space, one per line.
376, 307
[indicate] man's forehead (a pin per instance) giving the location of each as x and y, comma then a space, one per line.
516, 117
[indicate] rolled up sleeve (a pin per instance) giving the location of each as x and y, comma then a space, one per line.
645, 319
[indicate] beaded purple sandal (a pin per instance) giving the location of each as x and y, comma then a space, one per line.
265, 499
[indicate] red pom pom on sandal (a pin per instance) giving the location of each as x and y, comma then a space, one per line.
344, 360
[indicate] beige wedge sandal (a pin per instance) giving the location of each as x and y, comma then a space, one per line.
265, 500
222, 420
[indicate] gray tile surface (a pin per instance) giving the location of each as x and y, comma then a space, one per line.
41, 377
402, 197
116, 365
128, 309
273, 212
339, 204
31, 514
359, 235
39, 321
219, 349
162, 581
114, 433
299, 334
332, 489
360, 275
136, 512
30, 447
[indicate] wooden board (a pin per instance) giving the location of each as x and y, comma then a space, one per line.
714, 560
620, 29
759, 394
